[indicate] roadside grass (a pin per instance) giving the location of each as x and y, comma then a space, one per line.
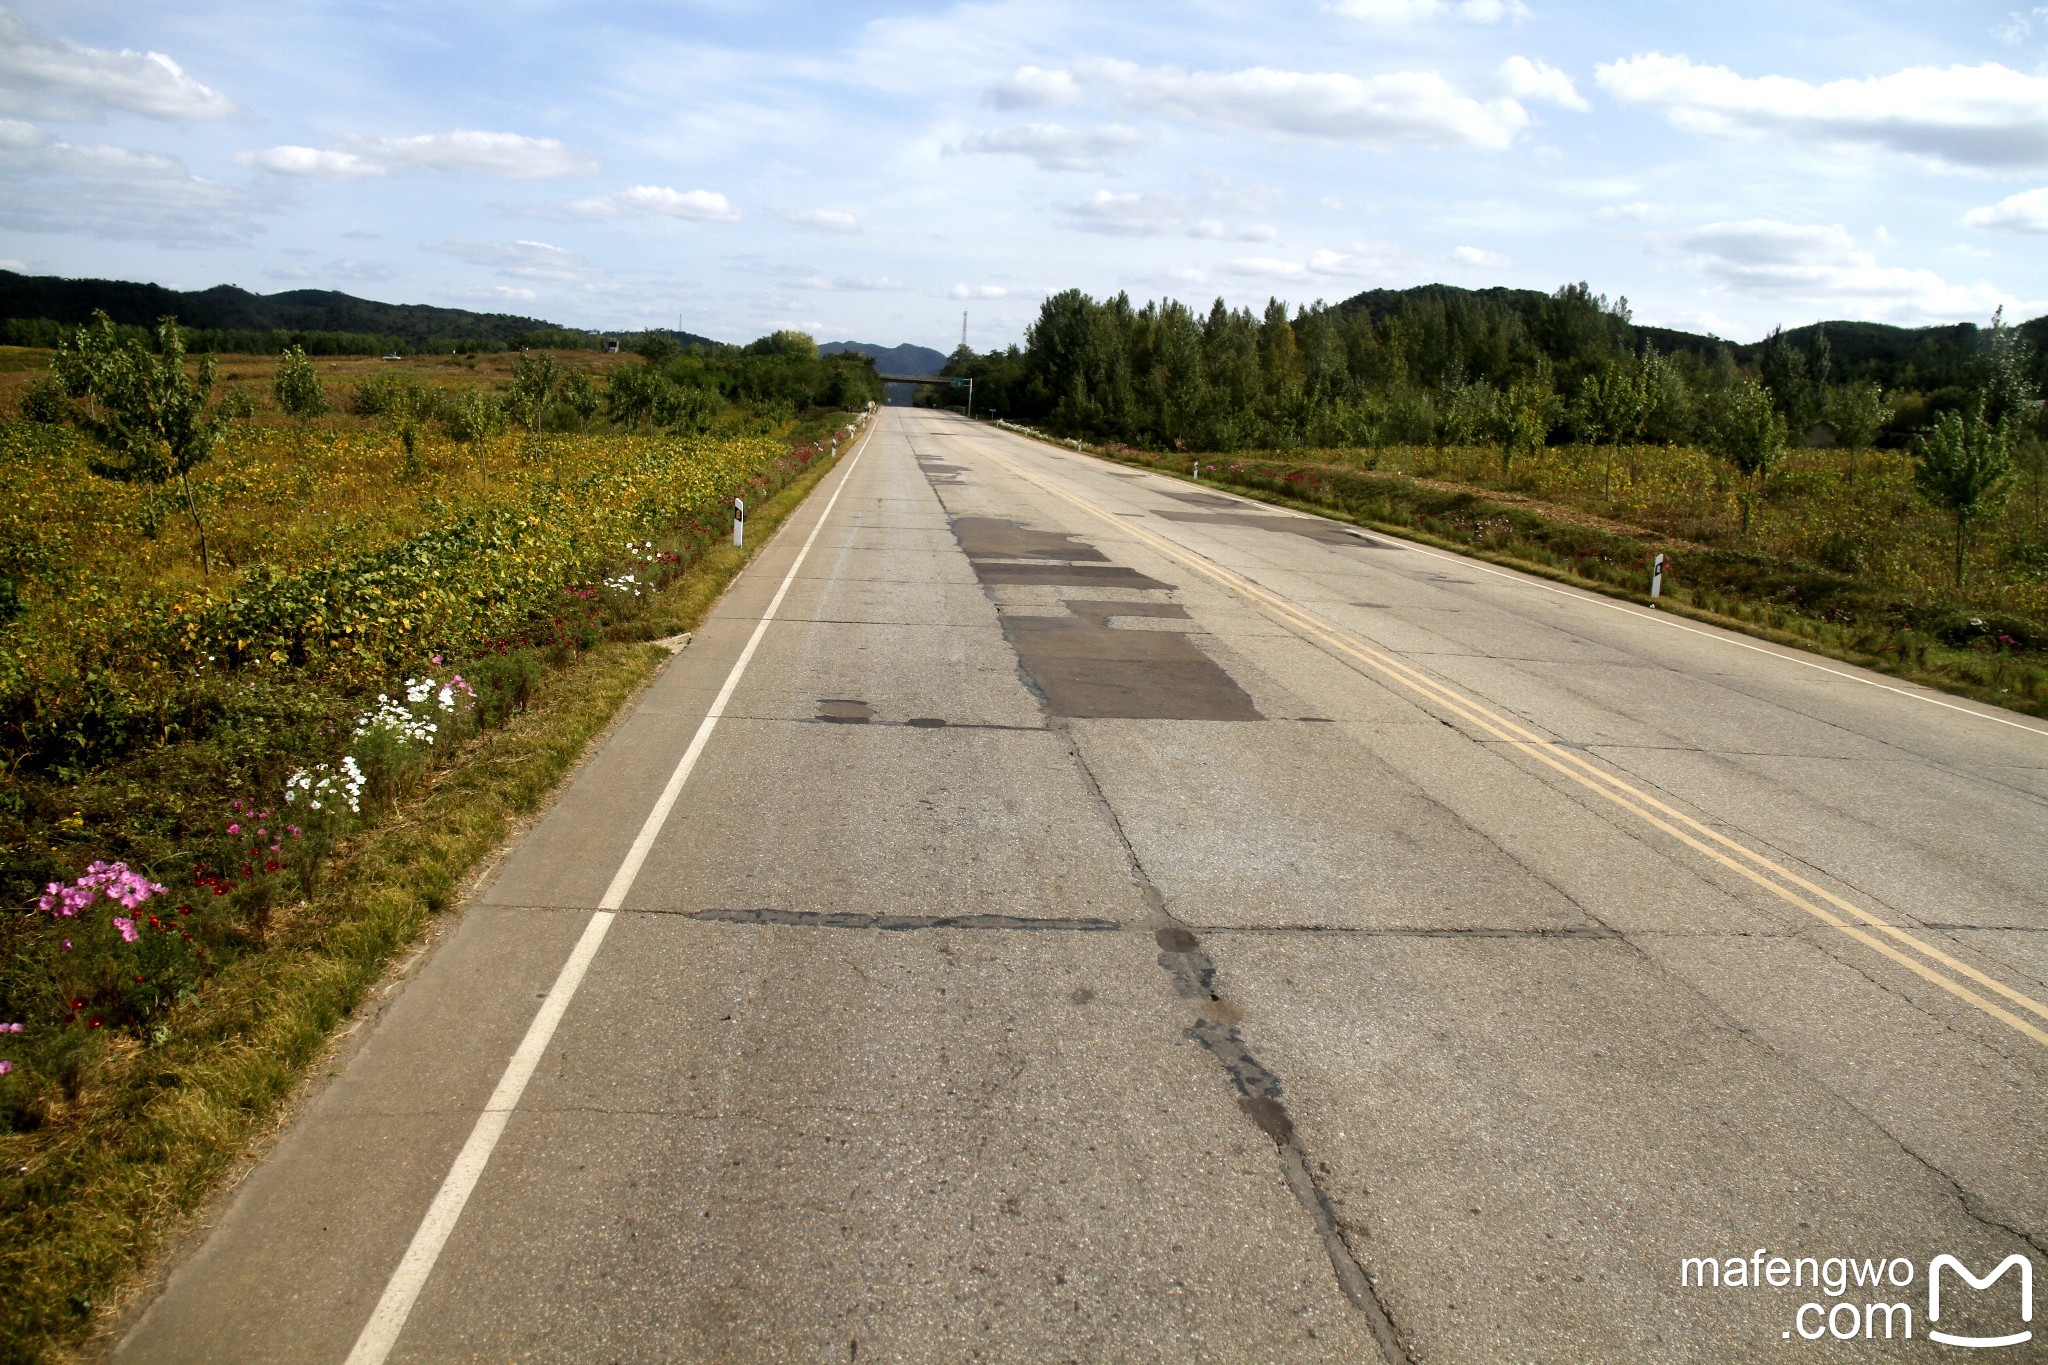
86, 1201
1999, 657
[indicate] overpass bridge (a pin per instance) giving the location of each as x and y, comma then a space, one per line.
956, 382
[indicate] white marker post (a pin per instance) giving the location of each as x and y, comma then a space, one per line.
1657, 577
739, 521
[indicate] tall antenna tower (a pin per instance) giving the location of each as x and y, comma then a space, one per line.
963, 328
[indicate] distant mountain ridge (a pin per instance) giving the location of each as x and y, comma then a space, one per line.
225, 307
903, 359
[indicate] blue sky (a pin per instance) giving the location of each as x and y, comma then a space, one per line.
870, 171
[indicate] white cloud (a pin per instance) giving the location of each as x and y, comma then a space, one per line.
511, 156
1154, 213
699, 206
1031, 87
825, 220
541, 262
1055, 147
1634, 211
1374, 111
1985, 117
978, 291
869, 283
2026, 211
52, 186
500, 293
1321, 265
1415, 11
1216, 230
311, 161
368, 271
1478, 258
52, 78
18, 267
2019, 27
1529, 79
1823, 268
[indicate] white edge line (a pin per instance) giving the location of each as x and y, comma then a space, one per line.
387, 1320
1594, 600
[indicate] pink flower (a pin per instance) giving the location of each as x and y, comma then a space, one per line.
127, 928
6, 1067
67, 945
234, 829
10, 1028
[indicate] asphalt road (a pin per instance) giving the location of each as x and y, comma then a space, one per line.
1101, 919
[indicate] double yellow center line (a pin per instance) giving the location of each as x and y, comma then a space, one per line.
1915, 954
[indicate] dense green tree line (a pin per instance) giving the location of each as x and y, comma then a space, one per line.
1454, 367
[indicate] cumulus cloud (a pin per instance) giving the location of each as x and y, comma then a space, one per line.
1031, 87
1985, 117
1478, 258
869, 283
1822, 267
978, 291
1356, 263
1415, 11
2026, 211
1055, 147
52, 78
825, 220
1374, 111
51, 186
511, 156
660, 201
311, 161
1529, 79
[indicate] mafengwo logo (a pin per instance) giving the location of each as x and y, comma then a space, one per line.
1872, 1298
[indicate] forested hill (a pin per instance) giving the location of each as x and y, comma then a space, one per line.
1860, 350
904, 359
32, 305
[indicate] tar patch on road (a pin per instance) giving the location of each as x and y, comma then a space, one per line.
1081, 663
1312, 528
1088, 669
1004, 551
844, 711
937, 471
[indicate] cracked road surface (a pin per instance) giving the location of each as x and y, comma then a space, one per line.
1110, 921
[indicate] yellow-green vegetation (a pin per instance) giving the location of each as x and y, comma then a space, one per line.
235, 784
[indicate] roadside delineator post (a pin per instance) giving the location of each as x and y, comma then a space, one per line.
739, 522
1657, 576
